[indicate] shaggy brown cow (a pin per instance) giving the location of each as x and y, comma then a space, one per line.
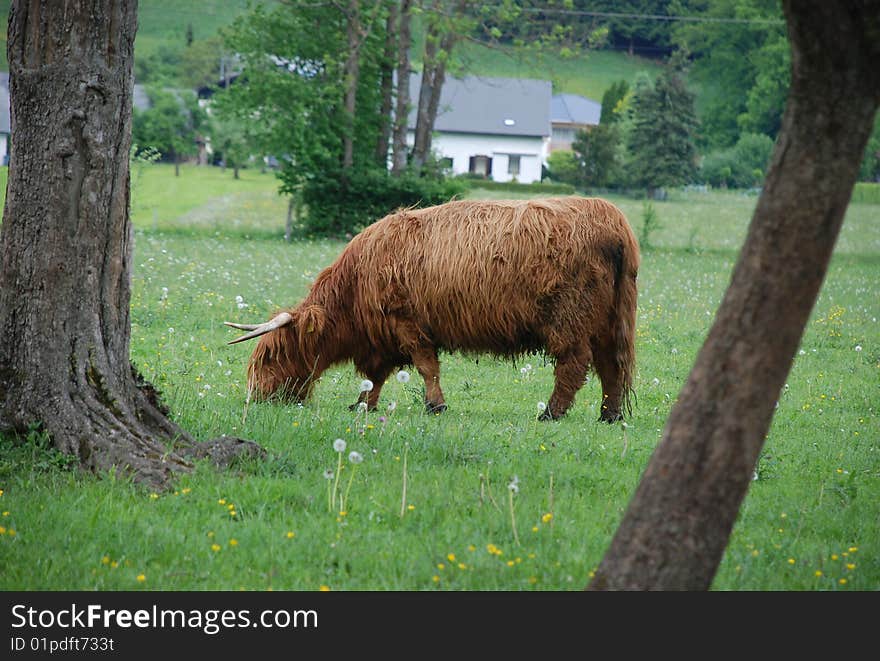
498, 277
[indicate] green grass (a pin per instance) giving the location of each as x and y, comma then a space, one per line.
813, 509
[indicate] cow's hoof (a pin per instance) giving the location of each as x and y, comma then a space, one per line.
434, 408
610, 416
545, 415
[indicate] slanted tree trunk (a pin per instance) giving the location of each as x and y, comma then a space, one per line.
399, 147
66, 240
387, 85
676, 528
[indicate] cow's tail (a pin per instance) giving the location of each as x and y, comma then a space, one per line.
624, 327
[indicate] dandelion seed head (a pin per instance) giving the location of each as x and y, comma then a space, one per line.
366, 385
339, 445
403, 376
392, 406
542, 406
362, 407
355, 457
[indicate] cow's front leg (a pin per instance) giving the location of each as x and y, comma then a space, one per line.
425, 361
378, 375
571, 369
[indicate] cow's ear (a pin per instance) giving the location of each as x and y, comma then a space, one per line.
310, 322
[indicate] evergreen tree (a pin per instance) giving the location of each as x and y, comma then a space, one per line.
661, 137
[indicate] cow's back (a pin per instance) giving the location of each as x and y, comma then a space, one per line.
493, 275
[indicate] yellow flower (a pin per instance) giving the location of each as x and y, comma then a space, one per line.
410, 507
1, 492
230, 506
791, 561
471, 547
231, 512
6, 513
755, 553
547, 518
233, 542
210, 533
852, 549
450, 557
222, 501
141, 578
295, 423
187, 490
342, 513
11, 532
461, 565
290, 534
324, 588
534, 528
2, 530
215, 547
834, 556
818, 573
510, 563
114, 564
850, 566
105, 560
435, 578
154, 496
842, 581
441, 566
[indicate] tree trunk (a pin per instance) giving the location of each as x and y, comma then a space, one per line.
387, 85
440, 38
427, 90
351, 75
676, 528
401, 112
66, 241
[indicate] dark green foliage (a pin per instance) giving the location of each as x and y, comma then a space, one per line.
611, 101
866, 192
742, 67
338, 205
598, 156
870, 169
563, 167
742, 166
661, 146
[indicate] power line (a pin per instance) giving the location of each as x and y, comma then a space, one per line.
648, 17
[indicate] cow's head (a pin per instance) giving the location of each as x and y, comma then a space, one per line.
285, 362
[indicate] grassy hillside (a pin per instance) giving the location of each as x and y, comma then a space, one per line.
164, 22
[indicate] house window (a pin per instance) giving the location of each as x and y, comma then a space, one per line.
513, 165
480, 165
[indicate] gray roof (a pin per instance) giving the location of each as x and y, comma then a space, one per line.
574, 109
498, 106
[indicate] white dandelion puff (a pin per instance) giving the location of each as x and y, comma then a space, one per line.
403, 376
328, 474
339, 445
355, 457
542, 406
366, 385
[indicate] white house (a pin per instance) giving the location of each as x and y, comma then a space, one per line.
495, 127
570, 113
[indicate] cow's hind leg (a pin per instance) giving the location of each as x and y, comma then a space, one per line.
571, 369
605, 361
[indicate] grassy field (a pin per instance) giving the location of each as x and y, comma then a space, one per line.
209, 249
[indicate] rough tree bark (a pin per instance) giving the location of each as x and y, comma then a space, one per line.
66, 242
399, 148
676, 528
355, 35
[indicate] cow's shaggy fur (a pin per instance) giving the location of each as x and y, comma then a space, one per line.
502, 277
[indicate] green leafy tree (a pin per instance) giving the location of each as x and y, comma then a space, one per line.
231, 140
661, 138
741, 62
563, 167
612, 102
172, 124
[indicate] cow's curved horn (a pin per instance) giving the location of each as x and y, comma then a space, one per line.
260, 329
